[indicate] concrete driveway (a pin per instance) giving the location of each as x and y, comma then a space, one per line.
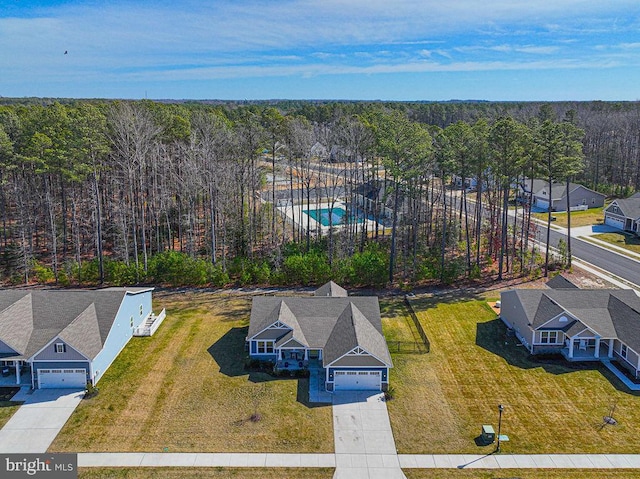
364, 443
38, 421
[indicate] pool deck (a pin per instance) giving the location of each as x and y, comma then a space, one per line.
296, 214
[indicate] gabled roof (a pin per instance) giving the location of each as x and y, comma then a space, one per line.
610, 313
630, 207
29, 320
335, 324
558, 188
353, 330
560, 282
331, 289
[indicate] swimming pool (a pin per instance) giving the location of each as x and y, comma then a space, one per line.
338, 216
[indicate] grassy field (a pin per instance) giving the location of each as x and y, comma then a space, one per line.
443, 398
185, 389
623, 240
520, 473
591, 216
213, 473
7, 409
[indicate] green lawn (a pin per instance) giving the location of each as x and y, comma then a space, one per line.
185, 389
623, 240
215, 473
592, 216
443, 398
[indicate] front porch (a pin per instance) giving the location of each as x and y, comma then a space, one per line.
587, 349
298, 358
14, 373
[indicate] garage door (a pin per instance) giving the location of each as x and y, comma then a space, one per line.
62, 378
542, 204
357, 380
616, 223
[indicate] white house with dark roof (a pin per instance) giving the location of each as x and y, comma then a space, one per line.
65, 339
581, 324
624, 213
339, 333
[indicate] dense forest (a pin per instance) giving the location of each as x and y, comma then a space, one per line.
126, 192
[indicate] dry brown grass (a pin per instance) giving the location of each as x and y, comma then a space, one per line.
592, 216
443, 398
520, 473
209, 473
185, 389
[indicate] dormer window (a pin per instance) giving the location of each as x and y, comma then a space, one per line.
563, 319
60, 348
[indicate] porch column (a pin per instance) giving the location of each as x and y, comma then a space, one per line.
570, 347
597, 352
611, 341
306, 354
17, 365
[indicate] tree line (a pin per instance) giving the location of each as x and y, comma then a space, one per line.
125, 192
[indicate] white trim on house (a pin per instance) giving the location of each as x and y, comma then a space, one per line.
365, 352
267, 343
57, 340
271, 326
558, 317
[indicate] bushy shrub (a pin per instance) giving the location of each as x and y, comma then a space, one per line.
310, 268
371, 267
42, 274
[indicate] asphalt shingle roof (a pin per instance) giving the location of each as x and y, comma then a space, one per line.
560, 282
609, 313
630, 207
336, 324
29, 320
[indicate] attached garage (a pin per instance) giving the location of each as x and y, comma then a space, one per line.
614, 222
62, 378
357, 380
542, 204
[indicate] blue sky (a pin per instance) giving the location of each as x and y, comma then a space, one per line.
303, 49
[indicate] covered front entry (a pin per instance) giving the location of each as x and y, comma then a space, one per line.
357, 380
62, 378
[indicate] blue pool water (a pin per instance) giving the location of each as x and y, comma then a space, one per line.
338, 216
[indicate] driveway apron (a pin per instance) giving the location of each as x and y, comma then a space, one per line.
38, 421
364, 443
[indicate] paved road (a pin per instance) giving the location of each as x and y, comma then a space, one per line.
617, 264
614, 263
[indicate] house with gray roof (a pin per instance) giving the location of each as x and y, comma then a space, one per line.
65, 339
580, 197
330, 330
581, 324
624, 213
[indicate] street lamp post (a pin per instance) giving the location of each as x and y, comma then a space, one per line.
500, 409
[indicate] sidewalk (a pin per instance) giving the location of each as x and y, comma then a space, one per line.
406, 461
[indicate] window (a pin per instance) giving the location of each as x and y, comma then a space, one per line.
60, 348
265, 347
593, 201
131, 321
141, 310
549, 337
623, 351
615, 209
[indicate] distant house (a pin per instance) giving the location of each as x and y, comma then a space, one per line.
580, 324
65, 339
331, 331
624, 214
580, 196
378, 197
